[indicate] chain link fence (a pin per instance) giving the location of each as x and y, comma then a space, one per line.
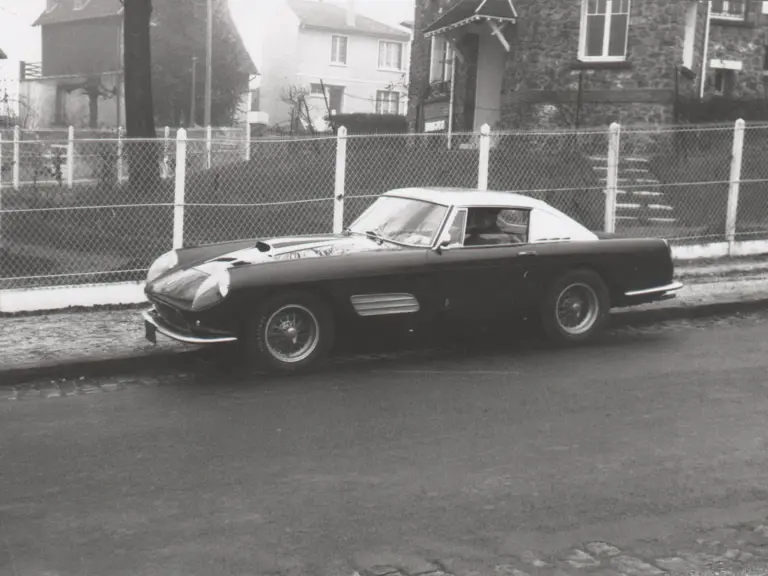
113, 213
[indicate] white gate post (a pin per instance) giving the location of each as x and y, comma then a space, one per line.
1, 160
485, 155
341, 175
247, 141
180, 185
612, 177
208, 147
167, 152
120, 168
71, 157
16, 157
735, 180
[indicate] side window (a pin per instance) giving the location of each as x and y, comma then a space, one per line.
496, 226
456, 228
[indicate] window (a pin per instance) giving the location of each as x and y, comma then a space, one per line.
724, 82
690, 34
339, 50
387, 102
765, 58
496, 226
604, 29
729, 9
316, 89
256, 100
441, 61
391, 55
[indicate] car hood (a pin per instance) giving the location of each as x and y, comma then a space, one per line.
183, 282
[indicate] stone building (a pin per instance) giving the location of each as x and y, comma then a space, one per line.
533, 63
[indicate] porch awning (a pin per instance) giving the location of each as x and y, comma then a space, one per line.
469, 11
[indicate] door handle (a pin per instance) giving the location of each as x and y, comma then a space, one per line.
529, 253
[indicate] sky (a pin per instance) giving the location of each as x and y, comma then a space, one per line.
18, 39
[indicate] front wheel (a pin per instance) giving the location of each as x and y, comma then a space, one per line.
290, 333
576, 307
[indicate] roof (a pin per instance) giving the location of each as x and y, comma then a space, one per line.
3, 55
469, 11
64, 11
467, 197
329, 16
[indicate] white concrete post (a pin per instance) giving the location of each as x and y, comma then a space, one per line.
1, 160
485, 155
735, 180
247, 151
167, 152
71, 157
16, 157
612, 177
1, 190
341, 175
180, 187
208, 147
120, 163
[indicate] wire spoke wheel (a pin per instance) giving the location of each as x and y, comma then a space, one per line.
577, 309
291, 333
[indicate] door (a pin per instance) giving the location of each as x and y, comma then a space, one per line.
484, 271
336, 99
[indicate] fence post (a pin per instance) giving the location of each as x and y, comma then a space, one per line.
1, 161
71, 157
166, 152
247, 140
180, 187
733, 187
612, 177
16, 157
208, 147
120, 167
341, 176
485, 154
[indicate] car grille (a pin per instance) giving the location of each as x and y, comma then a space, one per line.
172, 316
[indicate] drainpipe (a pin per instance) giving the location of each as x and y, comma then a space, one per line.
453, 91
705, 53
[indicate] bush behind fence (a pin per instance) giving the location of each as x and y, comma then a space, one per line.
92, 223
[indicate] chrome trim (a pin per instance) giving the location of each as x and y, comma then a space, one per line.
674, 286
150, 317
384, 304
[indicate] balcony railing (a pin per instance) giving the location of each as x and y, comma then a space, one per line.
729, 9
30, 70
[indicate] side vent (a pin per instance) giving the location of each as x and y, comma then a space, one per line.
385, 304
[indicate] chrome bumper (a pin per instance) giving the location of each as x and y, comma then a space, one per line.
673, 287
153, 323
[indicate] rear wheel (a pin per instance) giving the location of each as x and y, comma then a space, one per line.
290, 333
576, 307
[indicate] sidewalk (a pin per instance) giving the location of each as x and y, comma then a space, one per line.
80, 342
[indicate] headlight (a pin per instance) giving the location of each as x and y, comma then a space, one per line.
212, 291
162, 265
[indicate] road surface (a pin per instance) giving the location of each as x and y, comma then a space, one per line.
646, 451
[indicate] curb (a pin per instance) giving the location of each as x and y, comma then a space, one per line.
181, 360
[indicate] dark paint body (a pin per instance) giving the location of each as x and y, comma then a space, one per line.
465, 283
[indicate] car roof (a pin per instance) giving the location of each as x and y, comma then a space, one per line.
468, 197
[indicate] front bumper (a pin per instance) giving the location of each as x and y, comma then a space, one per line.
153, 323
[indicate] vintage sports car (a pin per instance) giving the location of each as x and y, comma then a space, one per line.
414, 256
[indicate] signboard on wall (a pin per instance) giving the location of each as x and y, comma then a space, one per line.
435, 117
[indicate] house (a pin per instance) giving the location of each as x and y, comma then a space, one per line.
79, 81
326, 58
532, 63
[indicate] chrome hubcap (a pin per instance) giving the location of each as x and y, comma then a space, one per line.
292, 333
577, 309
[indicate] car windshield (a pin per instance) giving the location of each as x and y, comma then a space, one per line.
402, 220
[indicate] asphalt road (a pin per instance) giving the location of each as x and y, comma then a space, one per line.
475, 460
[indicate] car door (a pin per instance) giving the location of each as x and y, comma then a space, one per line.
482, 281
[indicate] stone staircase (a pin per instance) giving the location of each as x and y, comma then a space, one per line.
640, 201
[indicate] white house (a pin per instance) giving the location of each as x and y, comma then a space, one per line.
334, 59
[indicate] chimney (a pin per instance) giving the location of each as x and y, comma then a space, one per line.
351, 13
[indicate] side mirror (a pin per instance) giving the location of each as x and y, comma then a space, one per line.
445, 241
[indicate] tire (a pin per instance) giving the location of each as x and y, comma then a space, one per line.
585, 289
266, 346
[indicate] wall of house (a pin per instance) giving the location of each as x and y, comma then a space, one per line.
361, 77
40, 95
89, 47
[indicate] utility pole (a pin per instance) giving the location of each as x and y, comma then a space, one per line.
193, 108
208, 63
